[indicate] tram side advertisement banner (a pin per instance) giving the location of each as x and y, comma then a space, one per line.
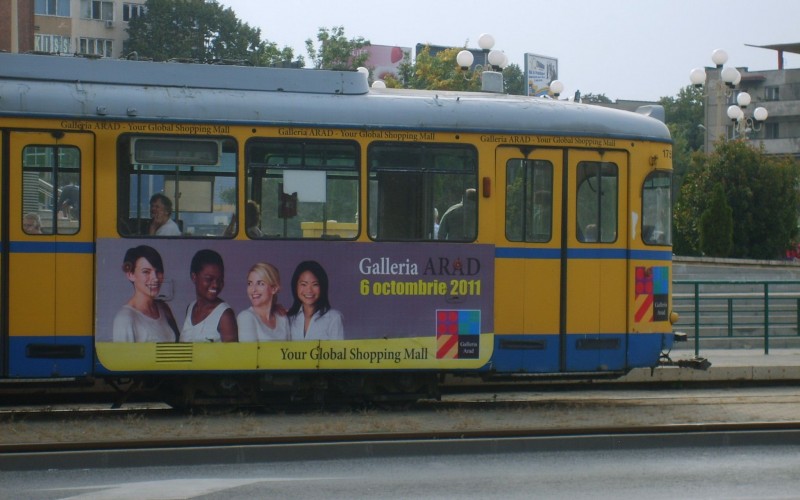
390, 305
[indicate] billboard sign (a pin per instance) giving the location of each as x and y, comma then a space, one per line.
384, 60
540, 71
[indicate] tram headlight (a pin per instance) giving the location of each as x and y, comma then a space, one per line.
674, 317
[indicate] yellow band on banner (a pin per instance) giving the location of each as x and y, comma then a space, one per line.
373, 354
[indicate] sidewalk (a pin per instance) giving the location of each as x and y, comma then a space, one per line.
726, 364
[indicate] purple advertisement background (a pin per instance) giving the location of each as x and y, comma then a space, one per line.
439, 267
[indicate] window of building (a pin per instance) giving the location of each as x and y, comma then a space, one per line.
597, 202
176, 186
529, 200
771, 94
95, 9
51, 179
772, 130
420, 191
731, 131
56, 44
52, 8
96, 46
132, 11
302, 189
657, 209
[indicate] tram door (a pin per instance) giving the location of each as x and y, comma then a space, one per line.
528, 265
596, 230
3, 256
50, 254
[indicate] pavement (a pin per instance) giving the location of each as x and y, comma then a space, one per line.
750, 365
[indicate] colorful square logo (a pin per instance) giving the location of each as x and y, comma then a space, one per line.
652, 294
458, 334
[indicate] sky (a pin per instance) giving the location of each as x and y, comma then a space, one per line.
625, 49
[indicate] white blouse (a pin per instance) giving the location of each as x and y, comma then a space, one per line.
326, 327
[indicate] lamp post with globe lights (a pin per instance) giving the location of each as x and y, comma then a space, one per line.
493, 63
744, 125
722, 87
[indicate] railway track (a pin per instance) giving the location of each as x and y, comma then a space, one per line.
81, 426
208, 442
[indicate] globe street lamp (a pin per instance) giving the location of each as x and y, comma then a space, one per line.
724, 87
493, 63
742, 124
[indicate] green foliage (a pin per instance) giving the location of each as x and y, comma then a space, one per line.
514, 80
405, 72
684, 117
761, 191
199, 31
716, 225
336, 51
441, 72
595, 98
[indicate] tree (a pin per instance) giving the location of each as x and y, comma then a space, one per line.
199, 31
685, 116
595, 98
514, 80
716, 226
405, 74
441, 72
761, 191
336, 51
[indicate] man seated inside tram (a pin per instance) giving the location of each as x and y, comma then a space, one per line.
161, 223
458, 222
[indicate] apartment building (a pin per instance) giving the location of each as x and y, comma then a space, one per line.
778, 91
92, 27
16, 25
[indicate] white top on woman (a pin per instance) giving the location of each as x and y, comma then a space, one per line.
252, 329
326, 327
206, 330
131, 325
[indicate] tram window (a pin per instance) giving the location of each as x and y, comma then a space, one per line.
597, 201
421, 192
529, 200
176, 186
302, 189
657, 209
51, 179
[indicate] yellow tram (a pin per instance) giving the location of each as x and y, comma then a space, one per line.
447, 232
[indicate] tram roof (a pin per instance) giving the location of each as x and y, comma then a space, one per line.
113, 89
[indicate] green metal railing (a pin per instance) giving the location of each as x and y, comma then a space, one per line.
731, 309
